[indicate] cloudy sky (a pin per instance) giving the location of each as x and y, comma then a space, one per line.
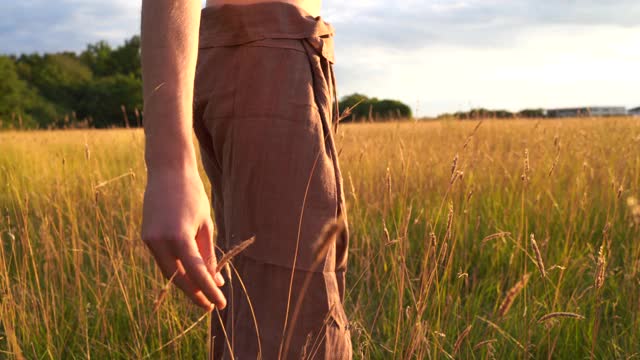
435, 55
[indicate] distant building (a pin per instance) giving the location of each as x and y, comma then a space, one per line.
587, 111
634, 111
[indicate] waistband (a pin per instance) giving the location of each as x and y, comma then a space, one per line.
232, 25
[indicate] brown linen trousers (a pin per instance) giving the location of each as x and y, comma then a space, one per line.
265, 114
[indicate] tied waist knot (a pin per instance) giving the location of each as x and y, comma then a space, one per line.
233, 25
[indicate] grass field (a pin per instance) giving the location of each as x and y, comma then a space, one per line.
500, 239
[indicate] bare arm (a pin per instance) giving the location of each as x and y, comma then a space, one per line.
176, 225
169, 50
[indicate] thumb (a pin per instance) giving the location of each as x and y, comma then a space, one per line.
204, 240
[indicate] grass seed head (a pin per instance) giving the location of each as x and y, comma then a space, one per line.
560, 314
447, 234
386, 231
512, 294
501, 234
233, 252
600, 268
536, 251
454, 166
527, 168
329, 234
463, 335
388, 181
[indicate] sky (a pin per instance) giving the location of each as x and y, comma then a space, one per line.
435, 55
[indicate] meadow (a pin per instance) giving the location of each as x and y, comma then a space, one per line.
506, 239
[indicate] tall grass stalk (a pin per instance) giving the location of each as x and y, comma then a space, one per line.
442, 262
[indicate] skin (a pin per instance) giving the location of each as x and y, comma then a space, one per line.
176, 224
176, 221
310, 6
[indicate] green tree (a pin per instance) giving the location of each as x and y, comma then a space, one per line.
12, 93
98, 58
532, 113
60, 78
390, 109
57, 89
20, 105
365, 108
126, 58
106, 61
352, 100
104, 97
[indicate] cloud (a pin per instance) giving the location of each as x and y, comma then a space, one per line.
554, 66
481, 23
42, 25
444, 55
66, 25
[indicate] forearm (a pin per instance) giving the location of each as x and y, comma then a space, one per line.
169, 54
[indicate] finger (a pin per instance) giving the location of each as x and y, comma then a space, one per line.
195, 295
169, 265
204, 240
197, 272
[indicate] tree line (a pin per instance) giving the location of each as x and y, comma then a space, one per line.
99, 87
482, 113
102, 87
363, 108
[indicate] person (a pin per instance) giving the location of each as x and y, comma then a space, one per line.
255, 81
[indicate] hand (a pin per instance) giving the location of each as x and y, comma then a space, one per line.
177, 228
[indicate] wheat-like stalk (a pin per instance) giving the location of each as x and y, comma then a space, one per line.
458, 175
162, 294
512, 294
388, 182
233, 252
386, 232
475, 130
501, 234
483, 343
554, 315
348, 111
536, 251
353, 189
454, 167
463, 335
223, 264
600, 268
328, 236
433, 239
469, 195
556, 143
527, 168
447, 234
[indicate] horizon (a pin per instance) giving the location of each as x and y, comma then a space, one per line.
435, 56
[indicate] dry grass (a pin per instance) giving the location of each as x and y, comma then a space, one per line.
441, 216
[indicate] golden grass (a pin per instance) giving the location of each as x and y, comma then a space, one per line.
440, 214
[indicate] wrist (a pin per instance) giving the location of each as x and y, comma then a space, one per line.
168, 131
176, 155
